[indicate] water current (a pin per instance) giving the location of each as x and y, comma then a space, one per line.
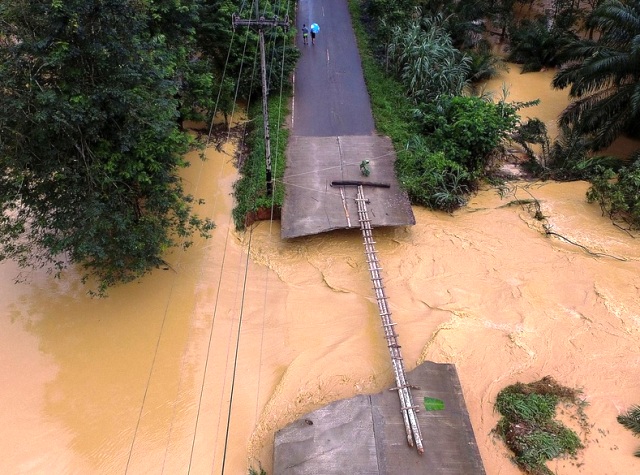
193, 369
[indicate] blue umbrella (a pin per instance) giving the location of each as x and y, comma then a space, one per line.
315, 28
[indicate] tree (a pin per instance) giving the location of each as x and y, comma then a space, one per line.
462, 20
90, 146
604, 76
535, 45
467, 129
458, 135
484, 65
566, 158
233, 52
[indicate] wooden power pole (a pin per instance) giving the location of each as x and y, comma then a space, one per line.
260, 22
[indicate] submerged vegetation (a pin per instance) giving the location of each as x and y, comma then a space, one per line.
631, 420
259, 471
528, 424
619, 193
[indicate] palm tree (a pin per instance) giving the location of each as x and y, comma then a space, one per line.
604, 75
535, 45
484, 64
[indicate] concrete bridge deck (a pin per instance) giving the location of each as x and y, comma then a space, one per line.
313, 206
365, 434
332, 131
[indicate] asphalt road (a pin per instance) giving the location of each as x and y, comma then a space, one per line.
330, 97
333, 133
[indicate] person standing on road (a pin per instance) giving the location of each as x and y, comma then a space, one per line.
305, 34
314, 29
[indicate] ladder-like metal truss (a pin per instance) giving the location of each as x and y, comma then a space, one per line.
408, 409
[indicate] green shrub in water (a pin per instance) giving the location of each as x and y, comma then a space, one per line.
528, 427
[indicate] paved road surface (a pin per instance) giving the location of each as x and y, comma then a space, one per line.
330, 94
333, 132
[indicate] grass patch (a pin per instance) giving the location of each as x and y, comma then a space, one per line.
250, 190
528, 424
631, 420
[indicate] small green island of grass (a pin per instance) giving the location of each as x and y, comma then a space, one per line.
528, 425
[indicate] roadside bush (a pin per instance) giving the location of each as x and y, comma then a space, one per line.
467, 129
250, 189
426, 61
430, 178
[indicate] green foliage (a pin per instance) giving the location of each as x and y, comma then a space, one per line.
425, 169
461, 20
501, 15
426, 61
250, 190
536, 45
484, 65
538, 446
90, 145
530, 134
391, 108
603, 76
519, 407
384, 14
364, 168
536, 42
528, 426
466, 129
619, 194
631, 420
571, 159
233, 51
430, 178
568, 158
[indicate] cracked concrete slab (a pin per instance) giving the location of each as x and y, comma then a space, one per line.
365, 434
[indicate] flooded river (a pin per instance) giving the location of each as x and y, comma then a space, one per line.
192, 369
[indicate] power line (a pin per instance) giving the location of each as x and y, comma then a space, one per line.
223, 260
235, 360
248, 253
275, 168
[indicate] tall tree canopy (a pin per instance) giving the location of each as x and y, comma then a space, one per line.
90, 146
604, 75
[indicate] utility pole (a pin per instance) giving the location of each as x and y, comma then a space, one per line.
260, 22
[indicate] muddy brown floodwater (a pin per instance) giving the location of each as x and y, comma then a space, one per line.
194, 368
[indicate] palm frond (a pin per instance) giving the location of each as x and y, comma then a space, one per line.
631, 419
